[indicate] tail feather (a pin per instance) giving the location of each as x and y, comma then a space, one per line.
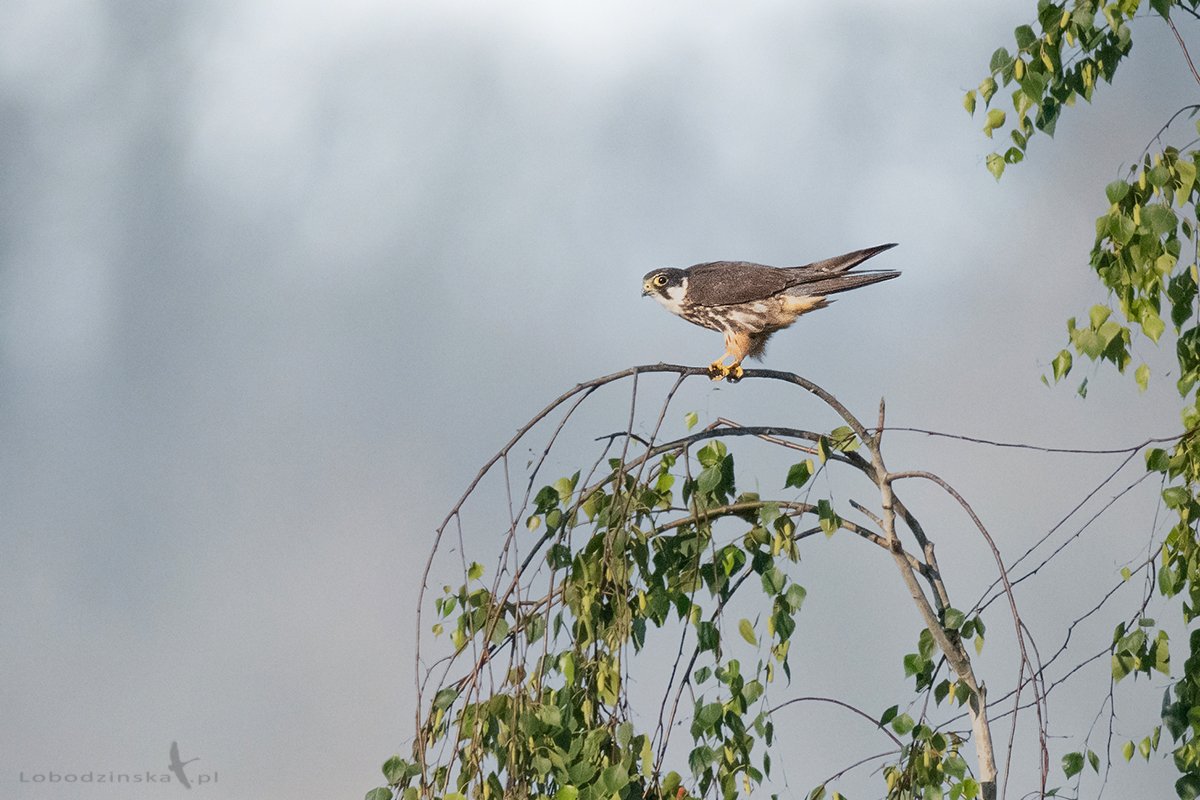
832, 275
840, 283
845, 262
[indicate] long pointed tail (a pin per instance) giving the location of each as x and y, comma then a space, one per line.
832, 275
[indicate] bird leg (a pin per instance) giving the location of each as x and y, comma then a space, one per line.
737, 347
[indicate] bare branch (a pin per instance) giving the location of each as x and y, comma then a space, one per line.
1183, 47
847, 706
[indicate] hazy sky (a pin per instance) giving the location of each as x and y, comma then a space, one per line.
276, 278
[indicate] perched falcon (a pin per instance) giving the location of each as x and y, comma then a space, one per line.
749, 302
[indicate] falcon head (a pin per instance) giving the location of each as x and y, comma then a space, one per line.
668, 286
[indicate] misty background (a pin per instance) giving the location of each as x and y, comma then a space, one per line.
276, 278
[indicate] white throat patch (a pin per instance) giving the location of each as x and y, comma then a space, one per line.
673, 302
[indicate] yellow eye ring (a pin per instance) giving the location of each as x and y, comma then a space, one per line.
660, 280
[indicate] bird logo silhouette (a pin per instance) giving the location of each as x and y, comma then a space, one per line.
176, 765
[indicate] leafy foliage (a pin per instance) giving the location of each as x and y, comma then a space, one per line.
534, 700
1145, 255
559, 726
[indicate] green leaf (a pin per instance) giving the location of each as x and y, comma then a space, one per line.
795, 596
1121, 666
1094, 760
799, 474
1159, 175
926, 644
1159, 217
567, 792
380, 793
954, 619
499, 631
700, 758
690, 419
709, 480
773, 581
1186, 172
444, 699
614, 778
395, 769
1152, 326
1127, 750
969, 102
1072, 764
566, 487
987, 89
746, 628
995, 165
995, 119
624, 734
829, 521
955, 766
843, 439
903, 724
1116, 191
1187, 787
1176, 496
1061, 365
889, 715
1000, 60
1142, 376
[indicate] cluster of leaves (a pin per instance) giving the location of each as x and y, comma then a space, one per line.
923, 666
930, 765
1137, 257
1145, 254
558, 725
1054, 65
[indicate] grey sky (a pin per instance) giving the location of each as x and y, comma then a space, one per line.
277, 277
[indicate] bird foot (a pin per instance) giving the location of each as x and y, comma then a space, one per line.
717, 370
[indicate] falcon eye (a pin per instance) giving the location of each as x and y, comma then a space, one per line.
660, 280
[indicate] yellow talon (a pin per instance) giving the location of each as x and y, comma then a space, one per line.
717, 370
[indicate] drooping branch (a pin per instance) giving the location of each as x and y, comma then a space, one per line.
636, 453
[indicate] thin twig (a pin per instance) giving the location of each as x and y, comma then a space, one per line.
1183, 47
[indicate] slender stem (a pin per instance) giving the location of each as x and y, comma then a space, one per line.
1183, 47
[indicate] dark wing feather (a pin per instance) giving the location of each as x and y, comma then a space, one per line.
720, 283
